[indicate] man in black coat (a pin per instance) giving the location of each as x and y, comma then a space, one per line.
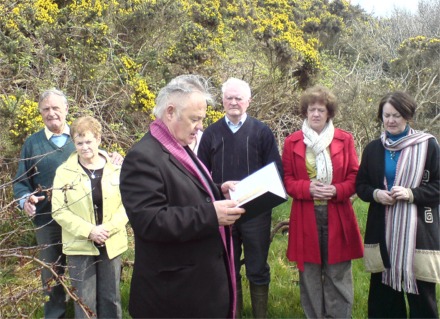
183, 259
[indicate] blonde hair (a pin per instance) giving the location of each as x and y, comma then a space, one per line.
85, 124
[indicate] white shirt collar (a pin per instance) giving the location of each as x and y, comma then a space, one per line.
230, 123
49, 133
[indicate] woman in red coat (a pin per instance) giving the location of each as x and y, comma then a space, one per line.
320, 166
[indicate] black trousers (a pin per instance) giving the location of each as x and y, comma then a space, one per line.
385, 302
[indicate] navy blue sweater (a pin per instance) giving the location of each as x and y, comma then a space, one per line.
234, 156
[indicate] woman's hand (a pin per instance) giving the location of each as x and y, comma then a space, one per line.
99, 234
385, 197
320, 191
400, 193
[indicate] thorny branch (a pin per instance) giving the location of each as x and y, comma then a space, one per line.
57, 279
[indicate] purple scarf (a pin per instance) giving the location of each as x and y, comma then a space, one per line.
161, 132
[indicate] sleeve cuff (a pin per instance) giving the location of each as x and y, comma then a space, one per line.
375, 195
411, 195
23, 200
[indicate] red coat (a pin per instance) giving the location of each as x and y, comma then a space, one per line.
344, 242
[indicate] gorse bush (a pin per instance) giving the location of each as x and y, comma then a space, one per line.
112, 57
27, 121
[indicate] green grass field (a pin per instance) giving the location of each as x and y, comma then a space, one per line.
284, 289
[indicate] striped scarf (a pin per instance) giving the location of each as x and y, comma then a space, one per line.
401, 218
161, 132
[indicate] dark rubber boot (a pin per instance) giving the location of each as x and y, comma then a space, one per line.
259, 297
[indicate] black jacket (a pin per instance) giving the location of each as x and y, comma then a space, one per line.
180, 262
426, 197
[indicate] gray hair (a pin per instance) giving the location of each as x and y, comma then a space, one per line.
181, 86
239, 83
50, 92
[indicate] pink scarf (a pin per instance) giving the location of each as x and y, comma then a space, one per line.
161, 132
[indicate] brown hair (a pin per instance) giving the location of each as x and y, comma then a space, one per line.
401, 101
85, 124
319, 94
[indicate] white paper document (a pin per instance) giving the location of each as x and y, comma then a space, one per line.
260, 191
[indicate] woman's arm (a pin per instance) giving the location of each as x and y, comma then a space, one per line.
296, 187
346, 186
427, 193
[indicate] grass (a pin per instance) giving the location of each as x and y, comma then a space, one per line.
284, 301
284, 289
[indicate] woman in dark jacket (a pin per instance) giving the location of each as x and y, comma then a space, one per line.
399, 177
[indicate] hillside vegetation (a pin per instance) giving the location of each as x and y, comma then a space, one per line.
111, 57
